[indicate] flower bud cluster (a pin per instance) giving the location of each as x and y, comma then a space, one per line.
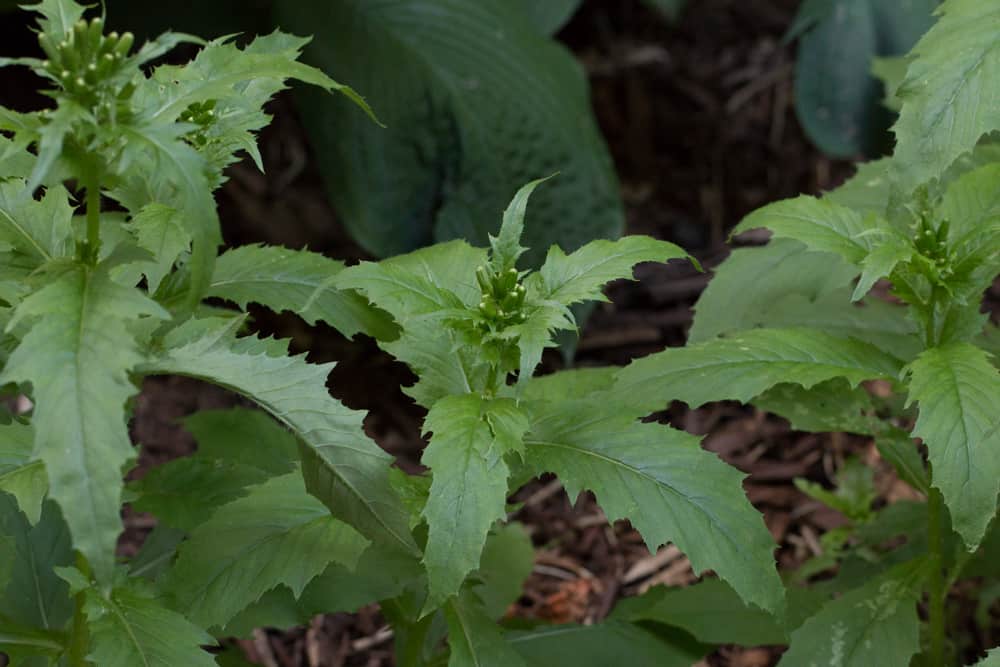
502, 296
201, 114
932, 244
85, 59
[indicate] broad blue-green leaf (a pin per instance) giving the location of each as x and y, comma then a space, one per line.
876, 624
299, 281
548, 17
477, 103
276, 534
949, 96
40, 230
957, 387
471, 437
34, 596
836, 99
609, 643
820, 224
474, 637
21, 474
710, 611
745, 364
341, 465
130, 627
663, 482
78, 355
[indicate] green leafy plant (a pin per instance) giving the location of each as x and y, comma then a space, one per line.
794, 328
109, 237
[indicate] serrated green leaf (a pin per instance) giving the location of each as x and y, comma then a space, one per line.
992, 659
474, 637
77, 355
507, 559
57, 16
39, 230
236, 435
876, 624
21, 474
341, 465
897, 447
710, 611
608, 643
867, 191
420, 283
579, 276
853, 492
130, 627
299, 281
748, 363
506, 245
471, 437
880, 262
552, 15
956, 388
160, 230
464, 132
663, 482
276, 534
157, 552
35, 597
820, 224
833, 405
949, 96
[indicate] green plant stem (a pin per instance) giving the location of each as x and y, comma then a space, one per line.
79, 641
936, 590
93, 216
411, 636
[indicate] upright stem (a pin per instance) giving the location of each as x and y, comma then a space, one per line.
93, 216
936, 591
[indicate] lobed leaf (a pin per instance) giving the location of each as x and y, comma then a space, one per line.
956, 387
341, 465
949, 95
474, 637
663, 482
471, 437
276, 534
78, 354
748, 363
299, 281
21, 474
38, 230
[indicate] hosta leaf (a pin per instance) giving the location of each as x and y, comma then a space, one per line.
836, 99
130, 627
664, 483
949, 96
876, 624
820, 224
475, 638
710, 611
956, 387
466, 453
477, 103
299, 281
550, 16
608, 643
276, 534
34, 596
77, 355
21, 474
579, 276
746, 364
41, 230
341, 465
